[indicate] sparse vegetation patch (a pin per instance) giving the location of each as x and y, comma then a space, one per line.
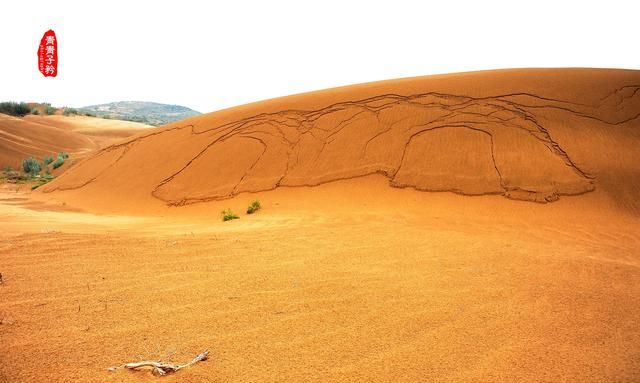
228, 215
253, 207
33, 171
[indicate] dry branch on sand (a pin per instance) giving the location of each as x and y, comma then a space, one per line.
161, 368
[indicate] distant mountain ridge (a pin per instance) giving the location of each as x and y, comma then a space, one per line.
152, 113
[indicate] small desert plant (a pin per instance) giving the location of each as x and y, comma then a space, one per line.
35, 111
60, 160
47, 160
57, 163
31, 166
253, 207
48, 109
228, 215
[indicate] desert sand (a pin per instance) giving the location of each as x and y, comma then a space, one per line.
475, 227
38, 136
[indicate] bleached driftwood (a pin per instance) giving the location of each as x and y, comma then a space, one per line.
161, 368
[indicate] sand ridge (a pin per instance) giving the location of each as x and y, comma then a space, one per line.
485, 139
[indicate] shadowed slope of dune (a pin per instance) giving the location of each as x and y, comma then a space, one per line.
529, 134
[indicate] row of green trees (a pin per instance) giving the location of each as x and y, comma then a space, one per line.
18, 109
21, 109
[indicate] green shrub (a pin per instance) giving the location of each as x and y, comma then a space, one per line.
35, 111
31, 166
48, 109
253, 207
70, 111
58, 162
228, 215
18, 109
47, 160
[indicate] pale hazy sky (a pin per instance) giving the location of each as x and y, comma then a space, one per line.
213, 55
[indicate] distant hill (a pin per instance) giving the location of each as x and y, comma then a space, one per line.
140, 111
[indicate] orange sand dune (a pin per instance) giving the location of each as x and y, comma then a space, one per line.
531, 134
38, 136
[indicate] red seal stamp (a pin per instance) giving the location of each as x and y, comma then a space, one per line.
48, 54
